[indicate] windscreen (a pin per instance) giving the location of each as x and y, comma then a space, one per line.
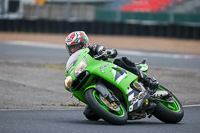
72, 60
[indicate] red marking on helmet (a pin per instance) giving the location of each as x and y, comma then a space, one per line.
84, 45
72, 35
81, 33
73, 42
81, 39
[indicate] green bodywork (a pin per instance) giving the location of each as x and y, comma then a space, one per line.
103, 69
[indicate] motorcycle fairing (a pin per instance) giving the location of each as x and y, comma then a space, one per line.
136, 99
110, 72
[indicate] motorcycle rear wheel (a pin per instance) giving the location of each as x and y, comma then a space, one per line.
169, 112
102, 110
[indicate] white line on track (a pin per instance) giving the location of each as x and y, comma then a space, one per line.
195, 105
124, 52
159, 54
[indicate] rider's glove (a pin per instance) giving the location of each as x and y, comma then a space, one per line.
110, 53
98, 49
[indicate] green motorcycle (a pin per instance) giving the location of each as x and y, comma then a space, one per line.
115, 94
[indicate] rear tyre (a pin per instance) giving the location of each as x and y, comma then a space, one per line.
112, 116
169, 112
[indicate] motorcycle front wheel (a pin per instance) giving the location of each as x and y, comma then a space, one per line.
169, 112
90, 115
110, 112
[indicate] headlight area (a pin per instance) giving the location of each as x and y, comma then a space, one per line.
81, 66
68, 81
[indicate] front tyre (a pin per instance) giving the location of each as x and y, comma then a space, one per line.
169, 112
95, 102
90, 115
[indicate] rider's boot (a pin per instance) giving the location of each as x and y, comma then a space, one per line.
147, 81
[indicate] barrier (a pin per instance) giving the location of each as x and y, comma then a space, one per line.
108, 15
98, 27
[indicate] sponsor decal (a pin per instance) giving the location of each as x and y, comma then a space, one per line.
135, 99
138, 97
105, 66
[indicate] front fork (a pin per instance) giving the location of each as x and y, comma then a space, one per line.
102, 89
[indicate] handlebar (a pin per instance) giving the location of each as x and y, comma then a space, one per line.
143, 62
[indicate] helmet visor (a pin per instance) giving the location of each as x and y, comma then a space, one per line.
72, 48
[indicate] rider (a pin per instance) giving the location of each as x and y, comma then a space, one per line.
78, 40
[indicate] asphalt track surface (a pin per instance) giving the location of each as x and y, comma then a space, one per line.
73, 121
51, 53
18, 121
